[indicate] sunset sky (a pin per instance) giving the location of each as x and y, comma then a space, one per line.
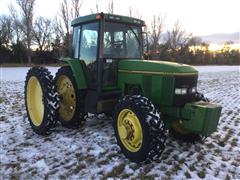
201, 17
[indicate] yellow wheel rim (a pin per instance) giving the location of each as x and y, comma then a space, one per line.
35, 104
177, 126
67, 96
130, 130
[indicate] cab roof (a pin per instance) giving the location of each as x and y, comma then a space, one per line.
108, 17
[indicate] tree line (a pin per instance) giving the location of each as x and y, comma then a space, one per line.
25, 38
179, 46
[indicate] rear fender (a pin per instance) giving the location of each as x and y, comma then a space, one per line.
78, 71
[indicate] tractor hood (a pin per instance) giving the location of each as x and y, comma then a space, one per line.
154, 67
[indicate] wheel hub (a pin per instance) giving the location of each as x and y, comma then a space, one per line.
35, 101
127, 131
67, 96
130, 130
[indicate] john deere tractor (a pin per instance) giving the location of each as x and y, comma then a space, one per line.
107, 74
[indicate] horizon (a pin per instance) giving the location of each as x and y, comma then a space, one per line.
188, 13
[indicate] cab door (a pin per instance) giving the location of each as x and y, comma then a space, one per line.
89, 51
113, 48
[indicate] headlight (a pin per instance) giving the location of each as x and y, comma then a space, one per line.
181, 91
194, 89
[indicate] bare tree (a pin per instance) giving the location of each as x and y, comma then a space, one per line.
58, 38
157, 27
76, 6
177, 38
26, 23
58, 28
110, 7
134, 13
68, 11
65, 15
97, 9
177, 41
42, 32
6, 33
16, 24
130, 11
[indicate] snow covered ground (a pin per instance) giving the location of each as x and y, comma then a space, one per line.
91, 152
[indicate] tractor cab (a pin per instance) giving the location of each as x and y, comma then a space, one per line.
100, 41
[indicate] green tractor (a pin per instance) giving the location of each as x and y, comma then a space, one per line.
107, 74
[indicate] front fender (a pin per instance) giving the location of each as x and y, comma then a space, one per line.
78, 72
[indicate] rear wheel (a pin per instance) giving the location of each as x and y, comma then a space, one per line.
40, 100
71, 110
139, 130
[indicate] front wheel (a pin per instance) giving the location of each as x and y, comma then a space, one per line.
139, 130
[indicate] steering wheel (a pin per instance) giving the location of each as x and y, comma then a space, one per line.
117, 44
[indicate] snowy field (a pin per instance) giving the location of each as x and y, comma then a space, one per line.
91, 152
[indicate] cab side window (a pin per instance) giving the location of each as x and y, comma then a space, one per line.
89, 41
76, 41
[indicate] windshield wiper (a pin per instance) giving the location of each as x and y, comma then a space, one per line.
139, 42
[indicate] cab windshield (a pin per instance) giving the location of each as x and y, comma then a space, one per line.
122, 41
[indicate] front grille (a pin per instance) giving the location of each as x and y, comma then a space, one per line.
184, 82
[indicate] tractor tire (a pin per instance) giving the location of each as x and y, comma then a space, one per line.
179, 133
41, 100
71, 111
139, 131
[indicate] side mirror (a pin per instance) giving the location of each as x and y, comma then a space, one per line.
145, 45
